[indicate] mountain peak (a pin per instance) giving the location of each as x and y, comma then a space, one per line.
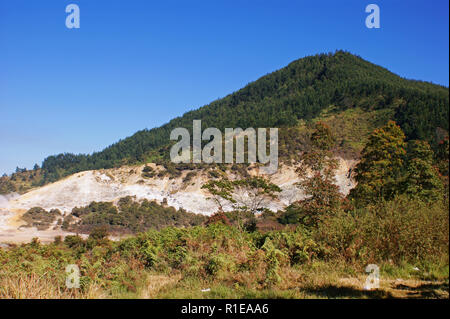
299, 91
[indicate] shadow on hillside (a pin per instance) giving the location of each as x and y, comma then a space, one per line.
333, 291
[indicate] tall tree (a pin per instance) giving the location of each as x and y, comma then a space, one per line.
317, 181
250, 194
244, 196
380, 168
422, 178
442, 157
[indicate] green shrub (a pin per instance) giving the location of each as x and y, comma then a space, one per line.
40, 218
99, 233
274, 257
402, 229
149, 254
73, 241
215, 264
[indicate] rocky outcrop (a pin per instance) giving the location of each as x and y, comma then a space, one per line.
109, 185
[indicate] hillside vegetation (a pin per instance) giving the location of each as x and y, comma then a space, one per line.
287, 98
396, 217
406, 239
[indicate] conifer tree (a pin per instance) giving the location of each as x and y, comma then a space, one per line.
422, 178
380, 169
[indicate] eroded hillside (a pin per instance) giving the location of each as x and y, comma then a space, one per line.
110, 185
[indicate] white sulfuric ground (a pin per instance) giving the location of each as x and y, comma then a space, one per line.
110, 185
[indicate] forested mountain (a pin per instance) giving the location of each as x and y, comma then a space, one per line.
300, 90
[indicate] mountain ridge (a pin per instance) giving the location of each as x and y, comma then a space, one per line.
299, 91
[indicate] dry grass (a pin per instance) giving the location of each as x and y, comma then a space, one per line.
156, 283
294, 285
32, 286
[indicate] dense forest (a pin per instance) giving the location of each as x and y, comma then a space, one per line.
299, 91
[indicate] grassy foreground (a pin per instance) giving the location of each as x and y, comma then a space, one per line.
407, 240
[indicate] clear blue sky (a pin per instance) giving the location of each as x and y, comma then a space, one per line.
136, 64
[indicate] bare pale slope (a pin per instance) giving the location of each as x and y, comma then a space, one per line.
109, 185
82, 188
